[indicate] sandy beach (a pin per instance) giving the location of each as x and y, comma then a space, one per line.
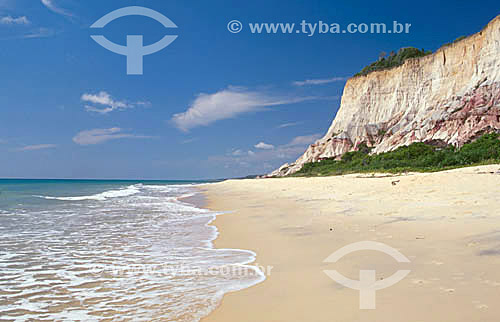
447, 224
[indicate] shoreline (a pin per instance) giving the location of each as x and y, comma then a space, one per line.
446, 223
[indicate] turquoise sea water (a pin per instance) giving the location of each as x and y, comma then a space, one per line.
15, 192
85, 250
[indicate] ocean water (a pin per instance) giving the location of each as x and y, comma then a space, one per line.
76, 250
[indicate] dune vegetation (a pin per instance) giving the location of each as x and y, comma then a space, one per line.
417, 157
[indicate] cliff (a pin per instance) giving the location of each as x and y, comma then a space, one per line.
449, 97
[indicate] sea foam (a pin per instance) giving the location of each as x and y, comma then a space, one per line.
117, 254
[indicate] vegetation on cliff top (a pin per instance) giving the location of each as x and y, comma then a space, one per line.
455, 41
393, 60
417, 157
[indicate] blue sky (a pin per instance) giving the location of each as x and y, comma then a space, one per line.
212, 104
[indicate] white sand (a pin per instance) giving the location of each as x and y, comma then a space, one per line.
447, 224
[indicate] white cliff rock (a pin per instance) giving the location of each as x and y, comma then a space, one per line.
449, 97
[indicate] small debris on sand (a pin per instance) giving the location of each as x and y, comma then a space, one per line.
395, 182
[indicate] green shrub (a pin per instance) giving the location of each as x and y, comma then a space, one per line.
455, 41
394, 60
415, 157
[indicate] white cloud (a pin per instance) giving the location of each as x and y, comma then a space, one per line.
288, 124
241, 153
39, 33
280, 154
107, 102
96, 136
264, 146
33, 33
226, 104
319, 81
37, 147
143, 103
8, 20
186, 141
237, 153
304, 140
50, 4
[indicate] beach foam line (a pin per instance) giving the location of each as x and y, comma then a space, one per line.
129, 191
77, 272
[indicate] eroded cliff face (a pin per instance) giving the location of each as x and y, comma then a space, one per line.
449, 97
